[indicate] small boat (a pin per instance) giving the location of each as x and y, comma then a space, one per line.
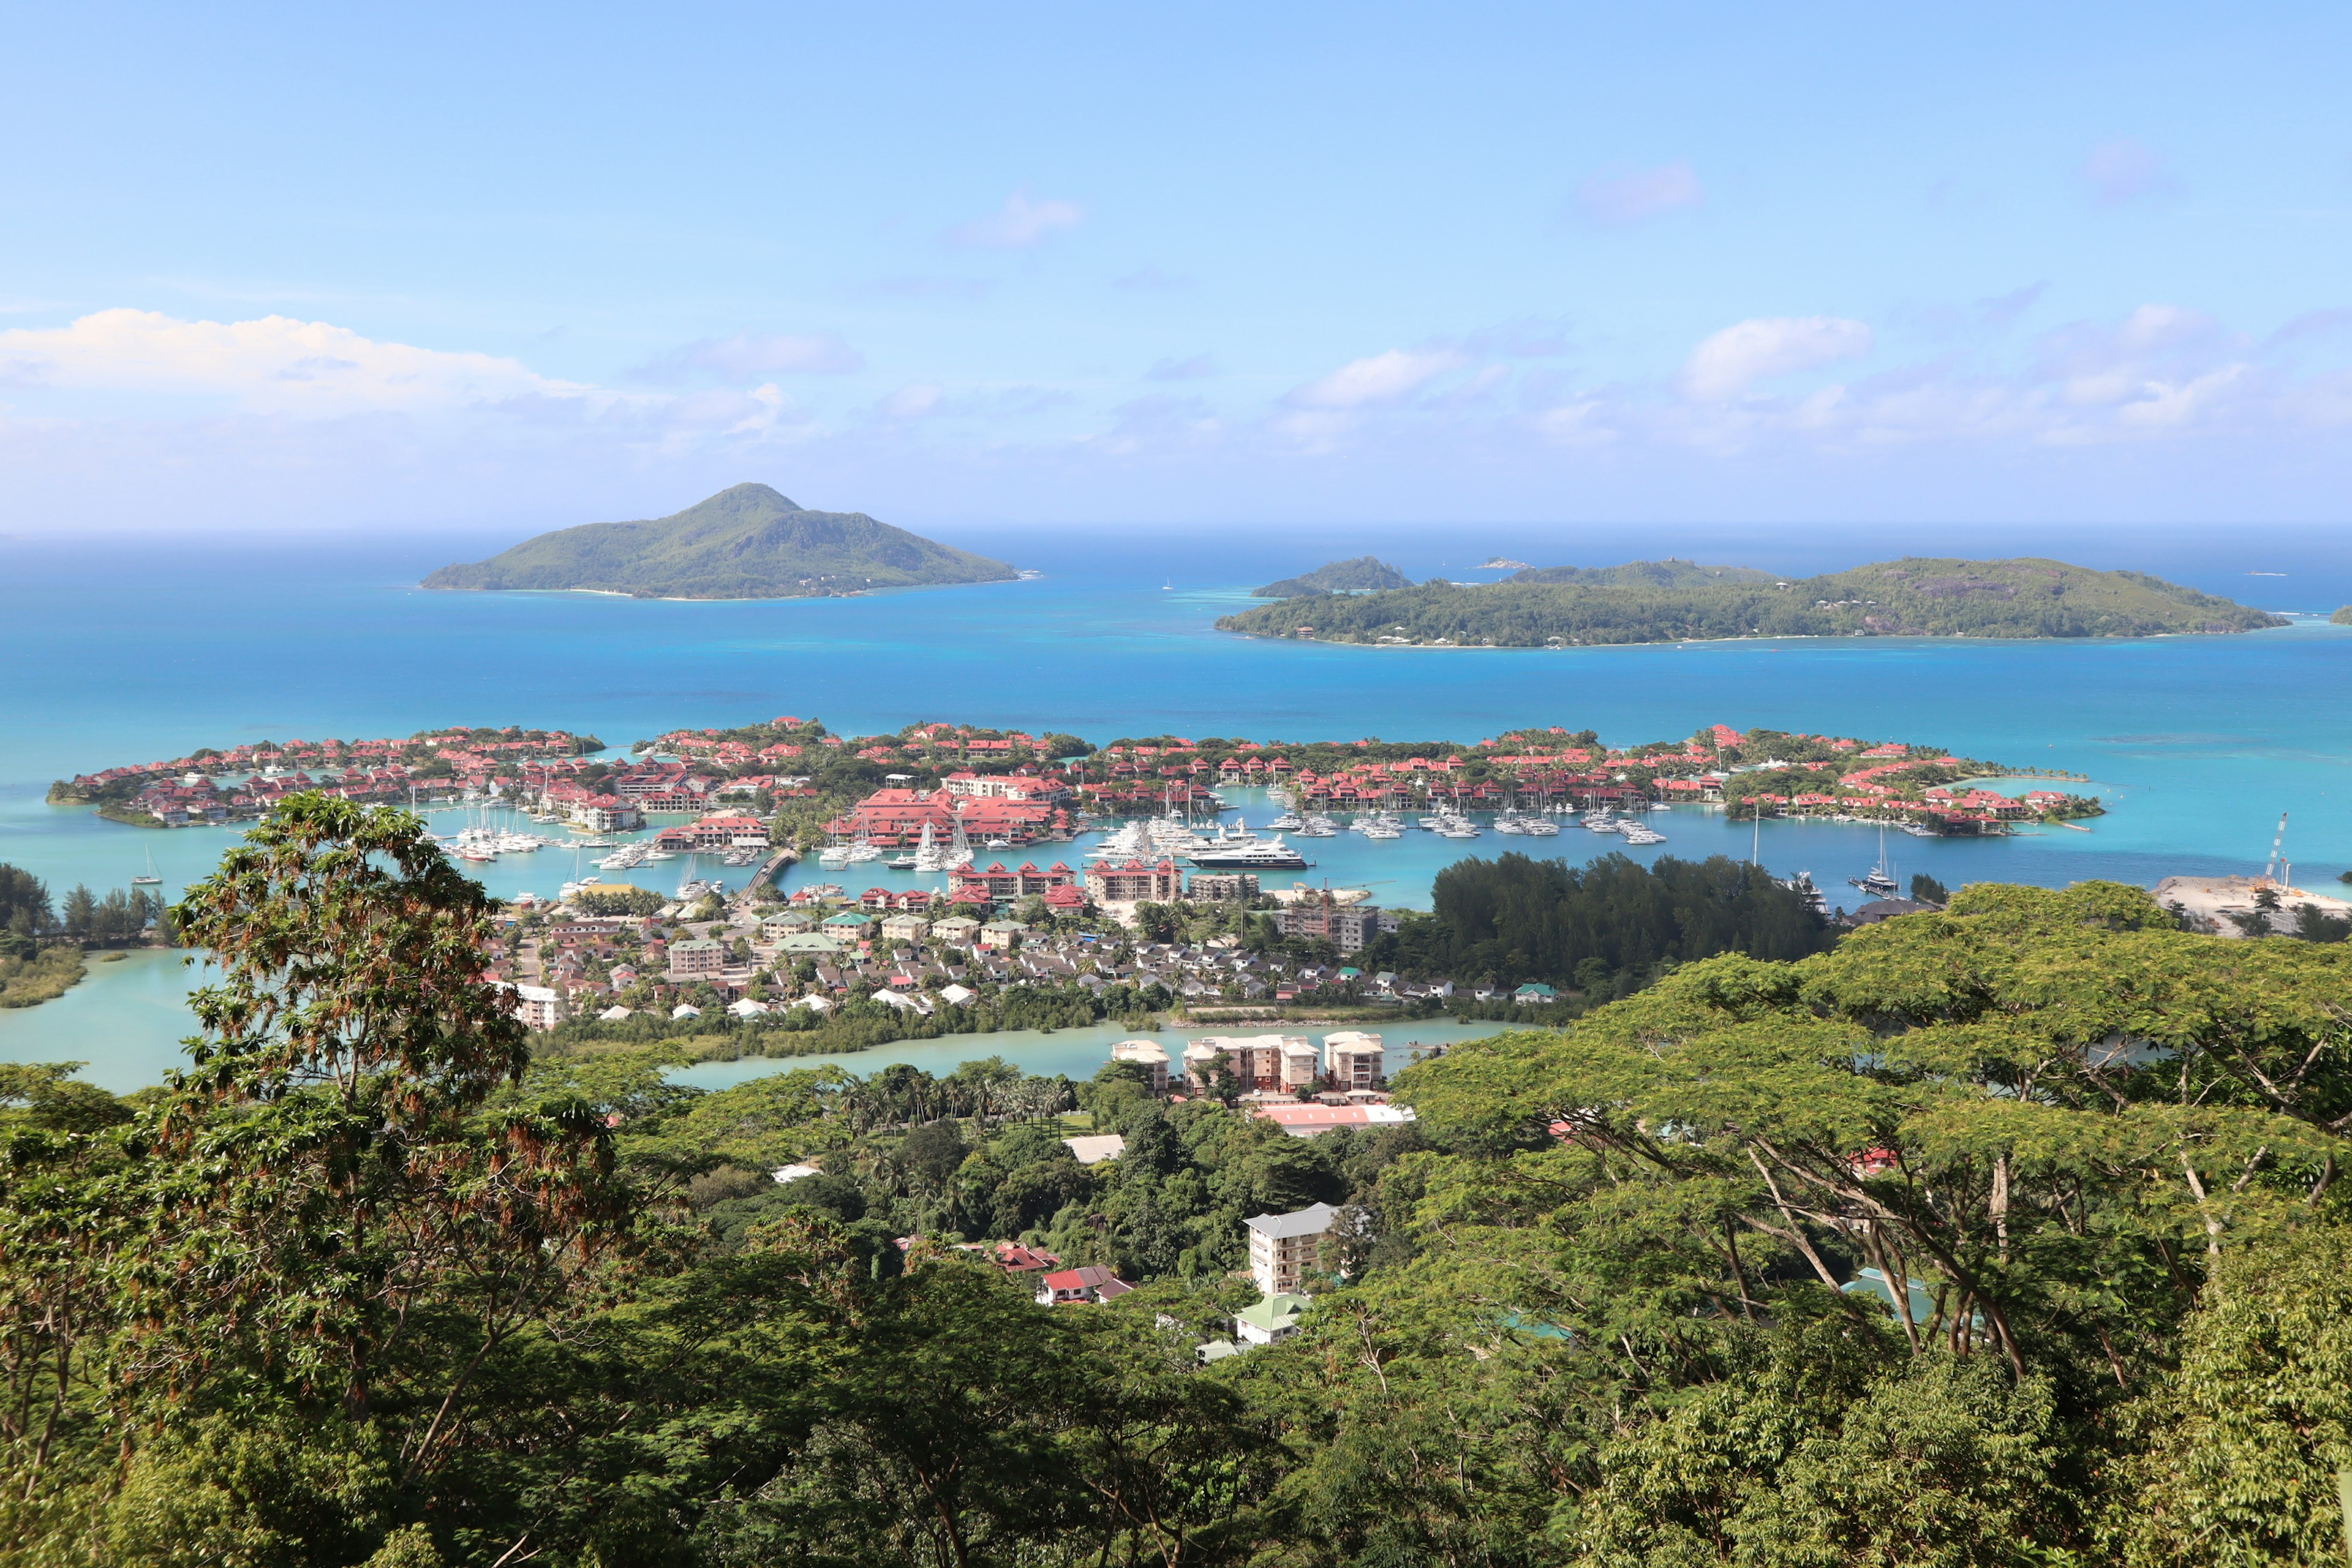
151, 879
1879, 880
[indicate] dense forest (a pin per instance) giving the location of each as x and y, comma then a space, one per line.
2008, 1234
1604, 928
1910, 597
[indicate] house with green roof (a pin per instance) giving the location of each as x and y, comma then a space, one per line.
1531, 992
1272, 1319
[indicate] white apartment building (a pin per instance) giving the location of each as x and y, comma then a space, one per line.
1352, 1060
1282, 1246
538, 1007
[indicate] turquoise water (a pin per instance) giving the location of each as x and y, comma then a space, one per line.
2198, 744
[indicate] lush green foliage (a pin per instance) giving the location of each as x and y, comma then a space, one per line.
747, 543
365, 1287
1910, 597
1364, 574
618, 902
1608, 926
39, 973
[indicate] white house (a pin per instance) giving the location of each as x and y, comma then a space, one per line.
1282, 1246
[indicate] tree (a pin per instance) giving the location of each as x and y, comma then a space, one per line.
1927, 891
350, 1170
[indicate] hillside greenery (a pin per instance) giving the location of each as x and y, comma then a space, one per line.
747, 543
1666, 573
1910, 597
369, 1284
2342, 618
1364, 574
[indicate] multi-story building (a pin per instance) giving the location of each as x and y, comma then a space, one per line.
1258, 1062
1134, 883
1348, 927
540, 1007
697, 956
1222, 886
1148, 1055
1353, 1060
1282, 1248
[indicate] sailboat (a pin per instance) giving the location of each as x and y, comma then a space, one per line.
149, 879
1879, 882
928, 856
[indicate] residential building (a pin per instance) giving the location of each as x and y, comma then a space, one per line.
1298, 1069
1000, 886
538, 1007
905, 928
1347, 927
1001, 936
956, 931
1271, 1320
1282, 1246
697, 955
1134, 882
1148, 1055
606, 813
1074, 1285
1257, 1061
1222, 886
1353, 1059
1095, 1148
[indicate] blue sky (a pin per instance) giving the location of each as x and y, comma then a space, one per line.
314, 268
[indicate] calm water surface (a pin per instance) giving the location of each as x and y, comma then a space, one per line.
2198, 744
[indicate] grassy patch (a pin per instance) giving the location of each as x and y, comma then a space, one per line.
44, 977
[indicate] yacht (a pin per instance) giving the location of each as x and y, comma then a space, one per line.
1801, 884
1539, 827
149, 879
833, 857
1640, 833
1879, 880
1603, 821
1256, 855
1288, 821
928, 856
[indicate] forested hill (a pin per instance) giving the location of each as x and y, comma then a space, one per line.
1666, 573
1364, 574
747, 543
1910, 597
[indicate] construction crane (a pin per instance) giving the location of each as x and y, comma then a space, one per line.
2269, 872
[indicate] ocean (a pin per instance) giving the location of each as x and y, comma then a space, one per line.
118, 653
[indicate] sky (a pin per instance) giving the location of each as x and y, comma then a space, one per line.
1204, 269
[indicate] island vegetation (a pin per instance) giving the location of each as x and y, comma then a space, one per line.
1671, 601
1364, 574
2009, 1234
2342, 618
42, 944
745, 542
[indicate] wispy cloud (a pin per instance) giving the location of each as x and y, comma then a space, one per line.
1635, 195
1729, 362
2128, 170
749, 354
919, 287
275, 364
1378, 379
1022, 222
1191, 369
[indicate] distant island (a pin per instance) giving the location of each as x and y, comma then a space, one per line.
747, 543
1364, 574
1674, 601
2342, 618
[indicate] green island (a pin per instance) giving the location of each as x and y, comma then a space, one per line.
2007, 1233
2342, 618
1647, 601
1364, 574
745, 542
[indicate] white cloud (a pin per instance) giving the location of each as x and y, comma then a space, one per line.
747, 354
274, 365
1630, 197
1019, 224
916, 400
1726, 363
2125, 169
1378, 379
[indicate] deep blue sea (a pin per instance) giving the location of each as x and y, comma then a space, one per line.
115, 651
